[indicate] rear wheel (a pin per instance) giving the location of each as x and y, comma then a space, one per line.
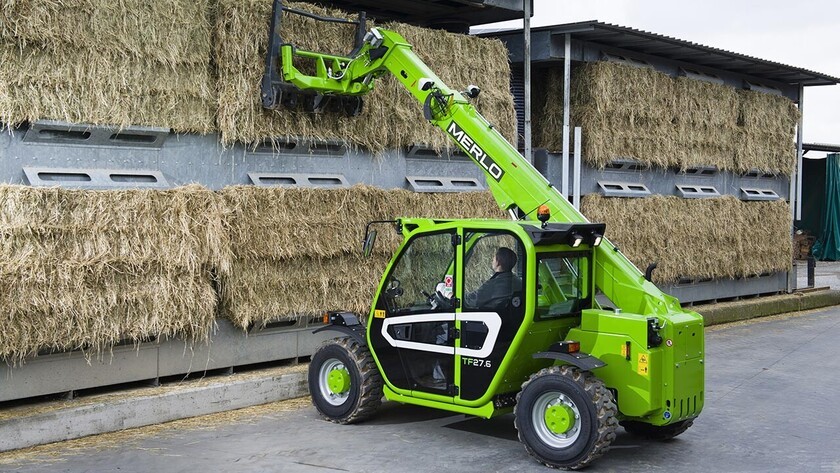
656, 432
344, 382
565, 417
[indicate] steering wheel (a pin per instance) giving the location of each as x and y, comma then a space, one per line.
438, 300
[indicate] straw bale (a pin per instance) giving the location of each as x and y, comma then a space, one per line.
261, 291
81, 86
75, 309
168, 32
108, 63
769, 123
391, 118
298, 251
86, 269
715, 238
278, 223
643, 114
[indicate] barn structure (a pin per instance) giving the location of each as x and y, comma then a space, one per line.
688, 152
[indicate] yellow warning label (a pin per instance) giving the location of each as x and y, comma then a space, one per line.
642, 367
379, 314
624, 350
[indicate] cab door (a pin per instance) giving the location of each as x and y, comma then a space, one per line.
413, 330
492, 307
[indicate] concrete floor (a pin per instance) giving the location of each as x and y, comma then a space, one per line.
771, 405
826, 274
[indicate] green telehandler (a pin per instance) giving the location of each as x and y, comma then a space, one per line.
567, 334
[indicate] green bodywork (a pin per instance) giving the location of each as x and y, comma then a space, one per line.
658, 385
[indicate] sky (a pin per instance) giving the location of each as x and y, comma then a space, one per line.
802, 33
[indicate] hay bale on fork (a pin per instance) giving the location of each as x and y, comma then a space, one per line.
391, 118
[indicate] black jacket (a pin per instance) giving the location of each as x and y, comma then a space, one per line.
495, 293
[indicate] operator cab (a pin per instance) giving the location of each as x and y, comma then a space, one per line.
460, 294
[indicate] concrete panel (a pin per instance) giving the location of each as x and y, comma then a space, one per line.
57, 373
138, 411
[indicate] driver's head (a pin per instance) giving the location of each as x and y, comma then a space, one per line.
505, 259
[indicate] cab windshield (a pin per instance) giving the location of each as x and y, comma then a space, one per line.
563, 284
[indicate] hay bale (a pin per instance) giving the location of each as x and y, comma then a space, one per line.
716, 238
769, 125
297, 251
118, 64
88, 269
170, 32
643, 114
391, 118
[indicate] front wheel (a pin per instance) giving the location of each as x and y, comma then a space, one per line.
565, 417
344, 382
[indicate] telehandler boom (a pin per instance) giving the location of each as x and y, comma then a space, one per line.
538, 338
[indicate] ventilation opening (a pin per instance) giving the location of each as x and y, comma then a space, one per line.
633, 187
459, 183
132, 138
624, 166
133, 178
64, 134
428, 182
268, 146
64, 176
325, 181
277, 181
612, 187
280, 324
704, 171
326, 148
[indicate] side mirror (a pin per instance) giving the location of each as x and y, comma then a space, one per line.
370, 241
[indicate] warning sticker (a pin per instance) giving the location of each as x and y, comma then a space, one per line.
642, 367
379, 314
624, 350
447, 285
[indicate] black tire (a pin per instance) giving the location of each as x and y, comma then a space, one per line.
655, 432
588, 399
364, 394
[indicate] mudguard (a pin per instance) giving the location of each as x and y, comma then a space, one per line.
346, 323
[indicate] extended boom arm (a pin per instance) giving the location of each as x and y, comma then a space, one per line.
515, 183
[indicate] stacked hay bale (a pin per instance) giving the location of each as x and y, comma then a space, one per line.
665, 122
646, 115
297, 252
697, 238
132, 62
391, 118
88, 269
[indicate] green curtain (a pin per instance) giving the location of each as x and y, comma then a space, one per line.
827, 248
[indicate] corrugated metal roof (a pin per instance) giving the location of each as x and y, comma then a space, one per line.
668, 47
436, 13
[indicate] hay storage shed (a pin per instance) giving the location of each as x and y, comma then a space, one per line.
690, 154
144, 183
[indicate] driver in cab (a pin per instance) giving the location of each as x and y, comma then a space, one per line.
497, 291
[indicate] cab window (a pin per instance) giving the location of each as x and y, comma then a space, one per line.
563, 284
425, 266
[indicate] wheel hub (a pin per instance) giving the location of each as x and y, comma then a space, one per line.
334, 382
338, 380
556, 419
559, 418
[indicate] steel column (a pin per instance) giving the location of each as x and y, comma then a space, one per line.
567, 75
527, 63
